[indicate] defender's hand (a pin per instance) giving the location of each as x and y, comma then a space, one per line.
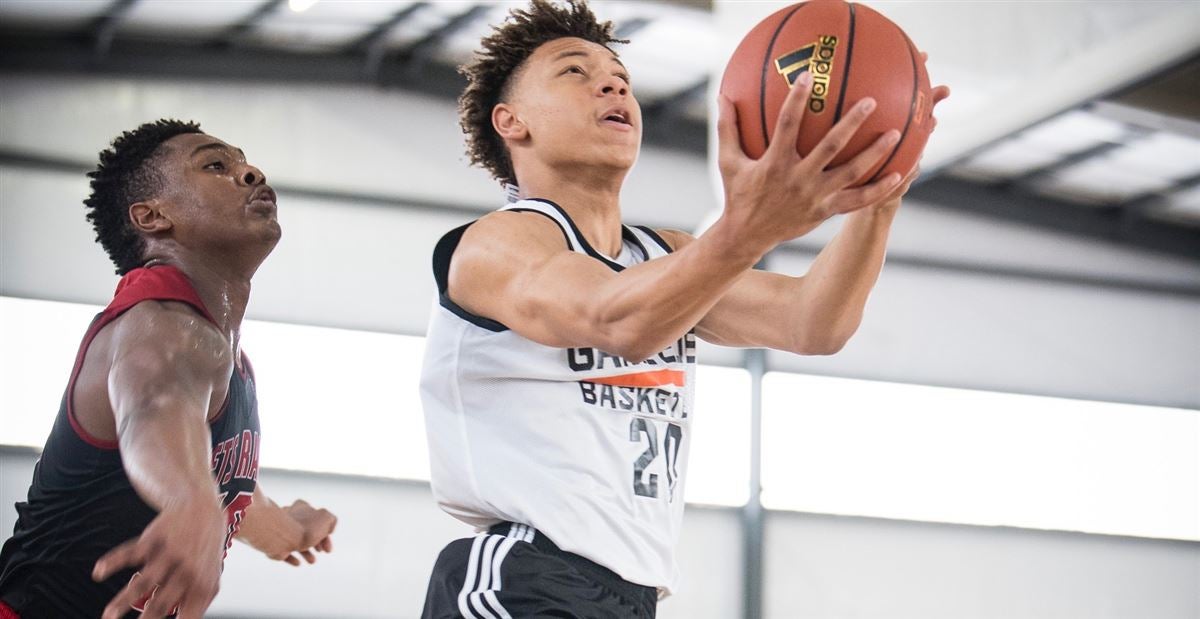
783, 195
179, 555
315, 526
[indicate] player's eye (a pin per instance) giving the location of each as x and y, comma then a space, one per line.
624, 77
575, 69
215, 165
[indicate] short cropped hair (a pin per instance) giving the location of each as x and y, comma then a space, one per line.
125, 174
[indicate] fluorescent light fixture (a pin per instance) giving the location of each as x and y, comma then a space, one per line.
1101, 179
1160, 155
300, 6
867, 448
1005, 160
1072, 132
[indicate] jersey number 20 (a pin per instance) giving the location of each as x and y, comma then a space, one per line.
646, 484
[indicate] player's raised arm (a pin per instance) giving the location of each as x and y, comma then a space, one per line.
819, 312
515, 269
169, 370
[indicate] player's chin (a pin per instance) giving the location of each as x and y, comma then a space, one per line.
264, 229
620, 154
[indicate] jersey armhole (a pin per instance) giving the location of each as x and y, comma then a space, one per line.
656, 237
442, 253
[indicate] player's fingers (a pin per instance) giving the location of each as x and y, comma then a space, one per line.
840, 134
127, 554
136, 589
330, 521
292, 560
196, 601
924, 56
164, 599
308, 556
862, 163
791, 116
940, 93
325, 545
850, 200
729, 142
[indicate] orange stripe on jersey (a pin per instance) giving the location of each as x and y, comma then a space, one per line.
656, 378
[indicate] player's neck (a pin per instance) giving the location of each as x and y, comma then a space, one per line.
224, 288
592, 200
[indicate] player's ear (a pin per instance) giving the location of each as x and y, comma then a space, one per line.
147, 217
507, 124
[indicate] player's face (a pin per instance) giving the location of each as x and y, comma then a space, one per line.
576, 100
214, 198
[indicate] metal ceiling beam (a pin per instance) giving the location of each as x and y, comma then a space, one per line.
1114, 224
247, 24
417, 55
1036, 174
1156, 204
374, 43
103, 29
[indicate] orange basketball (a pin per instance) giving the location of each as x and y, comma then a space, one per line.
852, 52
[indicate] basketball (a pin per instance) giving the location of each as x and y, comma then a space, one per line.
852, 52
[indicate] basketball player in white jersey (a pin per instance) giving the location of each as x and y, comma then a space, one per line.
560, 361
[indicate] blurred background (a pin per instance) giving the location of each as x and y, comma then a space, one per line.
1012, 433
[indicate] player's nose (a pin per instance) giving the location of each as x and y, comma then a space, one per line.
251, 175
611, 84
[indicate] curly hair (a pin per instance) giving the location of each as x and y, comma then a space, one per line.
502, 54
126, 174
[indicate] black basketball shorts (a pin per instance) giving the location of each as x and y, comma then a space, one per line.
514, 572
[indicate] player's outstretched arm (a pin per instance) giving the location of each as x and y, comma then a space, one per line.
819, 312
287, 533
815, 314
513, 267
169, 368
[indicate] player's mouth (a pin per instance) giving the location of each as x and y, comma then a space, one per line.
617, 118
263, 200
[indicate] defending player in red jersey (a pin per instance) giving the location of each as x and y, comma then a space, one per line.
151, 467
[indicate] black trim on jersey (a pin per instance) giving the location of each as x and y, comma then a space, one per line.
579, 235
628, 235
566, 237
656, 237
442, 252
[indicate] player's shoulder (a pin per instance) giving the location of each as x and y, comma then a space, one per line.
171, 330
513, 231
677, 239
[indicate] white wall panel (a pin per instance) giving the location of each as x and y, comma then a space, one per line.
947, 328
829, 566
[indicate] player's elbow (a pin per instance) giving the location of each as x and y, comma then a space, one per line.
632, 342
821, 344
632, 347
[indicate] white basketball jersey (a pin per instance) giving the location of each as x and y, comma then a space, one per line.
582, 445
